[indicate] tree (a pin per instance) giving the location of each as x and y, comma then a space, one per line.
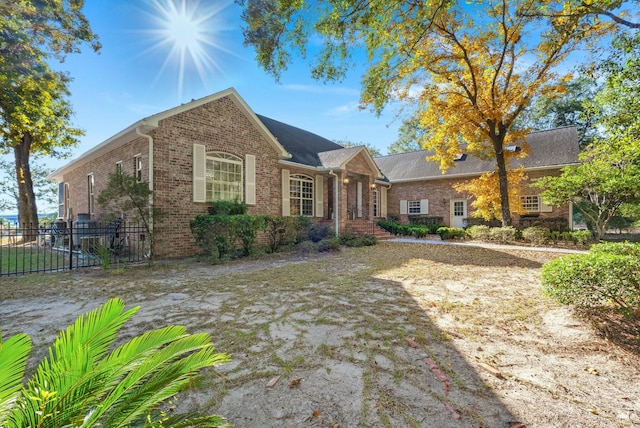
373, 151
34, 115
467, 70
572, 109
610, 173
44, 190
607, 178
124, 194
607, 9
409, 136
81, 383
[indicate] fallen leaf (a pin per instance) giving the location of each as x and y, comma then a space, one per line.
592, 371
316, 414
295, 382
412, 342
273, 381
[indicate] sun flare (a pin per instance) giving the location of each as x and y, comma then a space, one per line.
188, 32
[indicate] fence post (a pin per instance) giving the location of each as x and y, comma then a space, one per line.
70, 231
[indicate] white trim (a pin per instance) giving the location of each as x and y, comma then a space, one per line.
359, 198
319, 195
404, 209
286, 207
424, 206
199, 173
383, 202
250, 179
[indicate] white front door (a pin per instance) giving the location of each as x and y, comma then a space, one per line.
458, 212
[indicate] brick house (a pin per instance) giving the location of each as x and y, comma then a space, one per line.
217, 148
419, 188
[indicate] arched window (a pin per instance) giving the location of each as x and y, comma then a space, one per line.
301, 194
224, 177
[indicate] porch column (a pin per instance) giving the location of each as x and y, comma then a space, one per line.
343, 190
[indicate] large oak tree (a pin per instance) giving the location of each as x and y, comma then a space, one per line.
468, 69
34, 113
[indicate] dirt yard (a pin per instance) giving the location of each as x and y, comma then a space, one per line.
396, 335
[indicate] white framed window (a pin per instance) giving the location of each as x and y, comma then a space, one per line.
137, 167
414, 207
90, 193
300, 195
119, 168
223, 177
534, 203
418, 207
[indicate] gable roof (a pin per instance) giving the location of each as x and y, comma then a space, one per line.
147, 124
554, 148
304, 146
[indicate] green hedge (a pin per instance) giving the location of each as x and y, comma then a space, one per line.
447, 233
608, 275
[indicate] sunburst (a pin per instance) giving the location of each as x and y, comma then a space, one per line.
188, 32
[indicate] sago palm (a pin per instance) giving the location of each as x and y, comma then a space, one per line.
85, 382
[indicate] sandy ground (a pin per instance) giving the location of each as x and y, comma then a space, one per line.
396, 335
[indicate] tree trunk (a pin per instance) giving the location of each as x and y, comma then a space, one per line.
27, 209
498, 141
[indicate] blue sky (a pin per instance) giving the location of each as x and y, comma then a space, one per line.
136, 74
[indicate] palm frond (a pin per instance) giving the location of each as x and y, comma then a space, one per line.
13, 360
66, 383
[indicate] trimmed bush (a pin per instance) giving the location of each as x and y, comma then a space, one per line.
618, 248
581, 237
329, 244
306, 247
480, 232
536, 234
447, 233
282, 232
227, 208
504, 234
593, 280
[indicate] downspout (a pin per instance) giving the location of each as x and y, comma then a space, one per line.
150, 140
336, 210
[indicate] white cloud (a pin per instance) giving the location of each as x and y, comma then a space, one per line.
343, 109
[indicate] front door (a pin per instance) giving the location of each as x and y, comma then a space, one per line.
458, 212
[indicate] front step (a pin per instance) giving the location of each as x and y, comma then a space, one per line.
364, 227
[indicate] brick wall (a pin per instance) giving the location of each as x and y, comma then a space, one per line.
440, 192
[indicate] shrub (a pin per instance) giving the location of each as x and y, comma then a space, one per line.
581, 236
358, 241
618, 248
504, 234
219, 235
329, 244
426, 221
281, 232
536, 234
317, 232
447, 233
228, 208
480, 232
594, 279
306, 247
245, 228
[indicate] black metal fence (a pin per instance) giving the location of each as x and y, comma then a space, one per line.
73, 245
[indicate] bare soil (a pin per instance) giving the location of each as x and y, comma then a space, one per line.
396, 335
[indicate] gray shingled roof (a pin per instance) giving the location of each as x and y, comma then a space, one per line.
555, 147
336, 158
304, 146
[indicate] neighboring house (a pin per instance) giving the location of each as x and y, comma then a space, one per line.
217, 148
419, 188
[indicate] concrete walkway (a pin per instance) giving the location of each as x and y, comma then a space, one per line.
431, 241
